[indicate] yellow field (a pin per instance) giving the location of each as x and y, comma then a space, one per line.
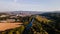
5, 26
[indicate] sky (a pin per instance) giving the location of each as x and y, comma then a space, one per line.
29, 5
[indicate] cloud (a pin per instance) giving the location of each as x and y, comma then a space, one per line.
14, 6
11, 6
15, 0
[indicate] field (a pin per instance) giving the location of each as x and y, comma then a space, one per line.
5, 26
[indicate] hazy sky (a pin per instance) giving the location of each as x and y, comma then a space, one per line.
29, 5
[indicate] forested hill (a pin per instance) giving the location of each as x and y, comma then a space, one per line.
41, 25
45, 23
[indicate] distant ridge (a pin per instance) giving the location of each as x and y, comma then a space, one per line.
30, 12
26, 12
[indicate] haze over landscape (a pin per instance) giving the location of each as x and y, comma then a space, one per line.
30, 5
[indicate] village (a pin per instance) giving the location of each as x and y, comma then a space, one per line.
10, 21
11, 18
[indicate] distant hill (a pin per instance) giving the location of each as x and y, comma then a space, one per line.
26, 12
51, 14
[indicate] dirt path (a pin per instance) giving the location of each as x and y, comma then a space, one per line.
4, 26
